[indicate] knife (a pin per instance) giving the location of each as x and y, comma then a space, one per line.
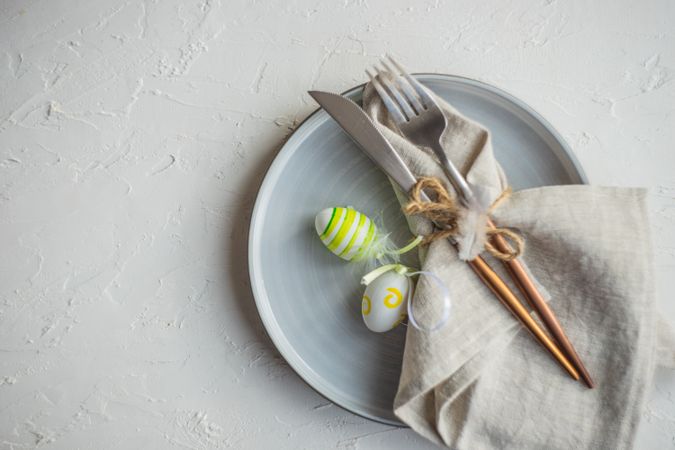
363, 131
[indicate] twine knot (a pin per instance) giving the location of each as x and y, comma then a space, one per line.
444, 211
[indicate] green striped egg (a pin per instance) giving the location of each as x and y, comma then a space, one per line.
345, 231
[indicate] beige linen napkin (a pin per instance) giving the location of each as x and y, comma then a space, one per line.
482, 382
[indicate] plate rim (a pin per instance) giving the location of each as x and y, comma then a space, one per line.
258, 214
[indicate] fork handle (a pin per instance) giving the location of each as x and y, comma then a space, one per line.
454, 175
537, 303
519, 275
510, 301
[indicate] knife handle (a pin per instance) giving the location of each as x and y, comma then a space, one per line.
538, 303
510, 301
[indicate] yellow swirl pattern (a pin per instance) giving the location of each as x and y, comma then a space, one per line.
396, 295
366, 305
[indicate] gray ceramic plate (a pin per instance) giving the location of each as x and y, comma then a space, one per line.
309, 299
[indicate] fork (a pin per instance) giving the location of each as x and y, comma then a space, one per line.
420, 120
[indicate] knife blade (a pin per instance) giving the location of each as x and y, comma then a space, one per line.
362, 130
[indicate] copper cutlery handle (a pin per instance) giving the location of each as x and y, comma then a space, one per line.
537, 303
509, 300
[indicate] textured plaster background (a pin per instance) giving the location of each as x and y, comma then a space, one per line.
133, 137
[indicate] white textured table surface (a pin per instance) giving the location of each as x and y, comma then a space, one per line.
133, 138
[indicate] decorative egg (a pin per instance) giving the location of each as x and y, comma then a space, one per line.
346, 232
385, 301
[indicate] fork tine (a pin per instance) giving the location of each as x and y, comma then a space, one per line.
391, 87
421, 91
406, 88
389, 103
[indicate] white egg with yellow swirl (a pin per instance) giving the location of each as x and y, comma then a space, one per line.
385, 301
346, 232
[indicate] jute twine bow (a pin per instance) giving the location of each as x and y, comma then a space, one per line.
444, 211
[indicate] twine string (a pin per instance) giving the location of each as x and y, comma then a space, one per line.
443, 210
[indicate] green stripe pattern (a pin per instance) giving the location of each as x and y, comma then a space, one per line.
349, 233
